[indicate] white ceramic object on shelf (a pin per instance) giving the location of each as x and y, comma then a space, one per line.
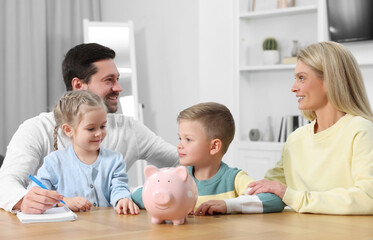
295, 48
271, 57
282, 3
268, 132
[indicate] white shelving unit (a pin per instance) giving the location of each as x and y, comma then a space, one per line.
279, 12
267, 67
263, 91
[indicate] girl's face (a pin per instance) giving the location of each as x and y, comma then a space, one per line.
90, 132
194, 146
309, 89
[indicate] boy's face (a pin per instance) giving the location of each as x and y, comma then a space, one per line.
194, 146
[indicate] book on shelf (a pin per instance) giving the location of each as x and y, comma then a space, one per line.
289, 60
289, 123
282, 134
56, 214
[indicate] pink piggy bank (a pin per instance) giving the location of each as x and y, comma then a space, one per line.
169, 194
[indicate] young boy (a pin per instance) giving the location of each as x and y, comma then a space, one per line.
205, 133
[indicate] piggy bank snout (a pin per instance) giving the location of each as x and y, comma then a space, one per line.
162, 197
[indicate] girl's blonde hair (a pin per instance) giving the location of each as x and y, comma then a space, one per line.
71, 108
342, 77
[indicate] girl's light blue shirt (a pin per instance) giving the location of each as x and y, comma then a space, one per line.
103, 183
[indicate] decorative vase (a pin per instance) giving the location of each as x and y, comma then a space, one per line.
254, 134
294, 50
268, 133
271, 57
282, 3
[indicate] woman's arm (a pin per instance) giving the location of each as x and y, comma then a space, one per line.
354, 198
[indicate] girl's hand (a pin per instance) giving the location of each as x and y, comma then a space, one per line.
127, 206
77, 204
267, 186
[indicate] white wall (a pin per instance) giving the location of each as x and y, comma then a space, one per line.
217, 51
166, 38
184, 52
217, 55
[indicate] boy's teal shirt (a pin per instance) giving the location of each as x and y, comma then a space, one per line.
228, 183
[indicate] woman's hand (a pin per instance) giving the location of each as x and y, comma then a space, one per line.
77, 204
127, 206
265, 186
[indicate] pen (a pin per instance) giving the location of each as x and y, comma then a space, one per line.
35, 180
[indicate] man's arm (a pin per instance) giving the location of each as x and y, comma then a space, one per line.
38, 200
25, 152
137, 142
153, 148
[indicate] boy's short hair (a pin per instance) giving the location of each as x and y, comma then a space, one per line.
216, 120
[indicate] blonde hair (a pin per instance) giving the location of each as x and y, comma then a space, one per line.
216, 120
71, 108
342, 77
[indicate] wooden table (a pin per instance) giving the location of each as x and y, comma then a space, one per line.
104, 223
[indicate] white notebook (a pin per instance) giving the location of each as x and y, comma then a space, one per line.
57, 214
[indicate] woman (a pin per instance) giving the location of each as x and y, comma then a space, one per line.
327, 166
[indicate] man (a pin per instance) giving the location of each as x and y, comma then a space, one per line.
90, 67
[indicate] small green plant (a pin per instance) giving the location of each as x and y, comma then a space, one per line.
270, 44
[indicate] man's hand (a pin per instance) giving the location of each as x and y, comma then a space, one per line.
210, 207
77, 204
127, 206
267, 186
37, 200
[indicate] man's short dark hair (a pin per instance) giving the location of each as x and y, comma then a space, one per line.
79, 61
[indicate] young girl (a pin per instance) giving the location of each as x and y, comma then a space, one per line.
84, 173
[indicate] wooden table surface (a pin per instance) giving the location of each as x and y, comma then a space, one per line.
104, 223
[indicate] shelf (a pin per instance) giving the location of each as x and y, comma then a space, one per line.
260, 146
267, 67
278, 12
257, 68
261, 90
365, 63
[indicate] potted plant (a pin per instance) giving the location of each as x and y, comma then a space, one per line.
271, 53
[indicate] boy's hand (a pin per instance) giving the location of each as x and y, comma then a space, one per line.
77, 204
127, 206
210, 207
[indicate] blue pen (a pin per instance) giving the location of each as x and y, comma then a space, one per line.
35, 180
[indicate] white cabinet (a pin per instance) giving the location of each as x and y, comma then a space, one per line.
264, 90
256, 159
